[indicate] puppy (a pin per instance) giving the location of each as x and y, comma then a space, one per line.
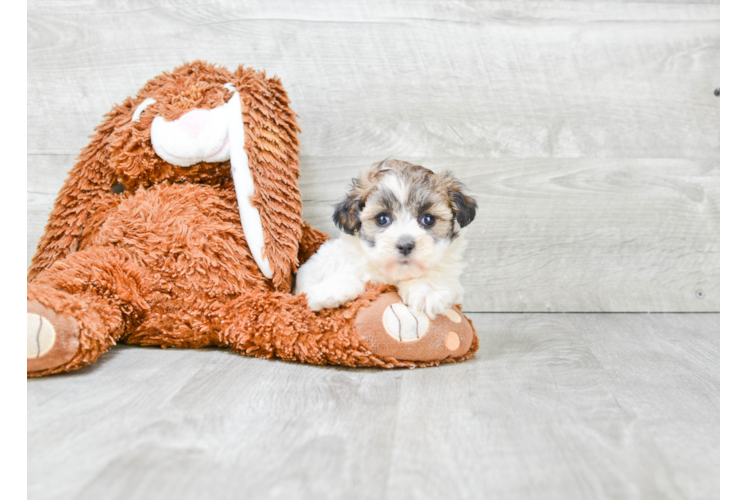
402, 226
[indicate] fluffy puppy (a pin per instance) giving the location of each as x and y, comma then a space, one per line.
402, 226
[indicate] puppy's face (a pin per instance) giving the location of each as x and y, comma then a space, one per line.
405, 216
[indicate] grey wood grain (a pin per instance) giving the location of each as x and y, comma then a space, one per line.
563, 406
588, 130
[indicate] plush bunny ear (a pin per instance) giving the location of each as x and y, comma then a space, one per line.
86, 195
271, 148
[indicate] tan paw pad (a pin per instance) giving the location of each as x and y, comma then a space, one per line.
40, 336
404, 324
392, 329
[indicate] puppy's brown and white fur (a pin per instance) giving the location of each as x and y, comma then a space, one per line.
402, 226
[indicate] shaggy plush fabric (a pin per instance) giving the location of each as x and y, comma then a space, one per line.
149, 253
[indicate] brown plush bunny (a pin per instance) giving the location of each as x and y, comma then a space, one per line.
180, 226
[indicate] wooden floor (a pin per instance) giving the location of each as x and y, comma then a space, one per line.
553, 406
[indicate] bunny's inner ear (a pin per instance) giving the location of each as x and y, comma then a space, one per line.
244, 184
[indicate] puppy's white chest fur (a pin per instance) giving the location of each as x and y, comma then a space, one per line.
340, 269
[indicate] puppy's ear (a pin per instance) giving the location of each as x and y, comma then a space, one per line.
346, 215
466, 207
463, 206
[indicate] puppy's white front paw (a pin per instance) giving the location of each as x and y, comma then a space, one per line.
428, 299
333, 293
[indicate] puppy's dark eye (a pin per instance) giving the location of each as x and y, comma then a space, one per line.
383, 220
428, 220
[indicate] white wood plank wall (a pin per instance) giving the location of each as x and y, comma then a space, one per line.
588, 130
732, 189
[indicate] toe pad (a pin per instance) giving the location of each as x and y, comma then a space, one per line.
40, 336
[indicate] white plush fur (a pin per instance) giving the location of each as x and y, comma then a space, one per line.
427, 278
199, 135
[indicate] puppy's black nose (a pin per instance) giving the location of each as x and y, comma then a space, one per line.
406, 246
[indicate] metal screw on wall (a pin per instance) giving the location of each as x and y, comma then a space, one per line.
726, 92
